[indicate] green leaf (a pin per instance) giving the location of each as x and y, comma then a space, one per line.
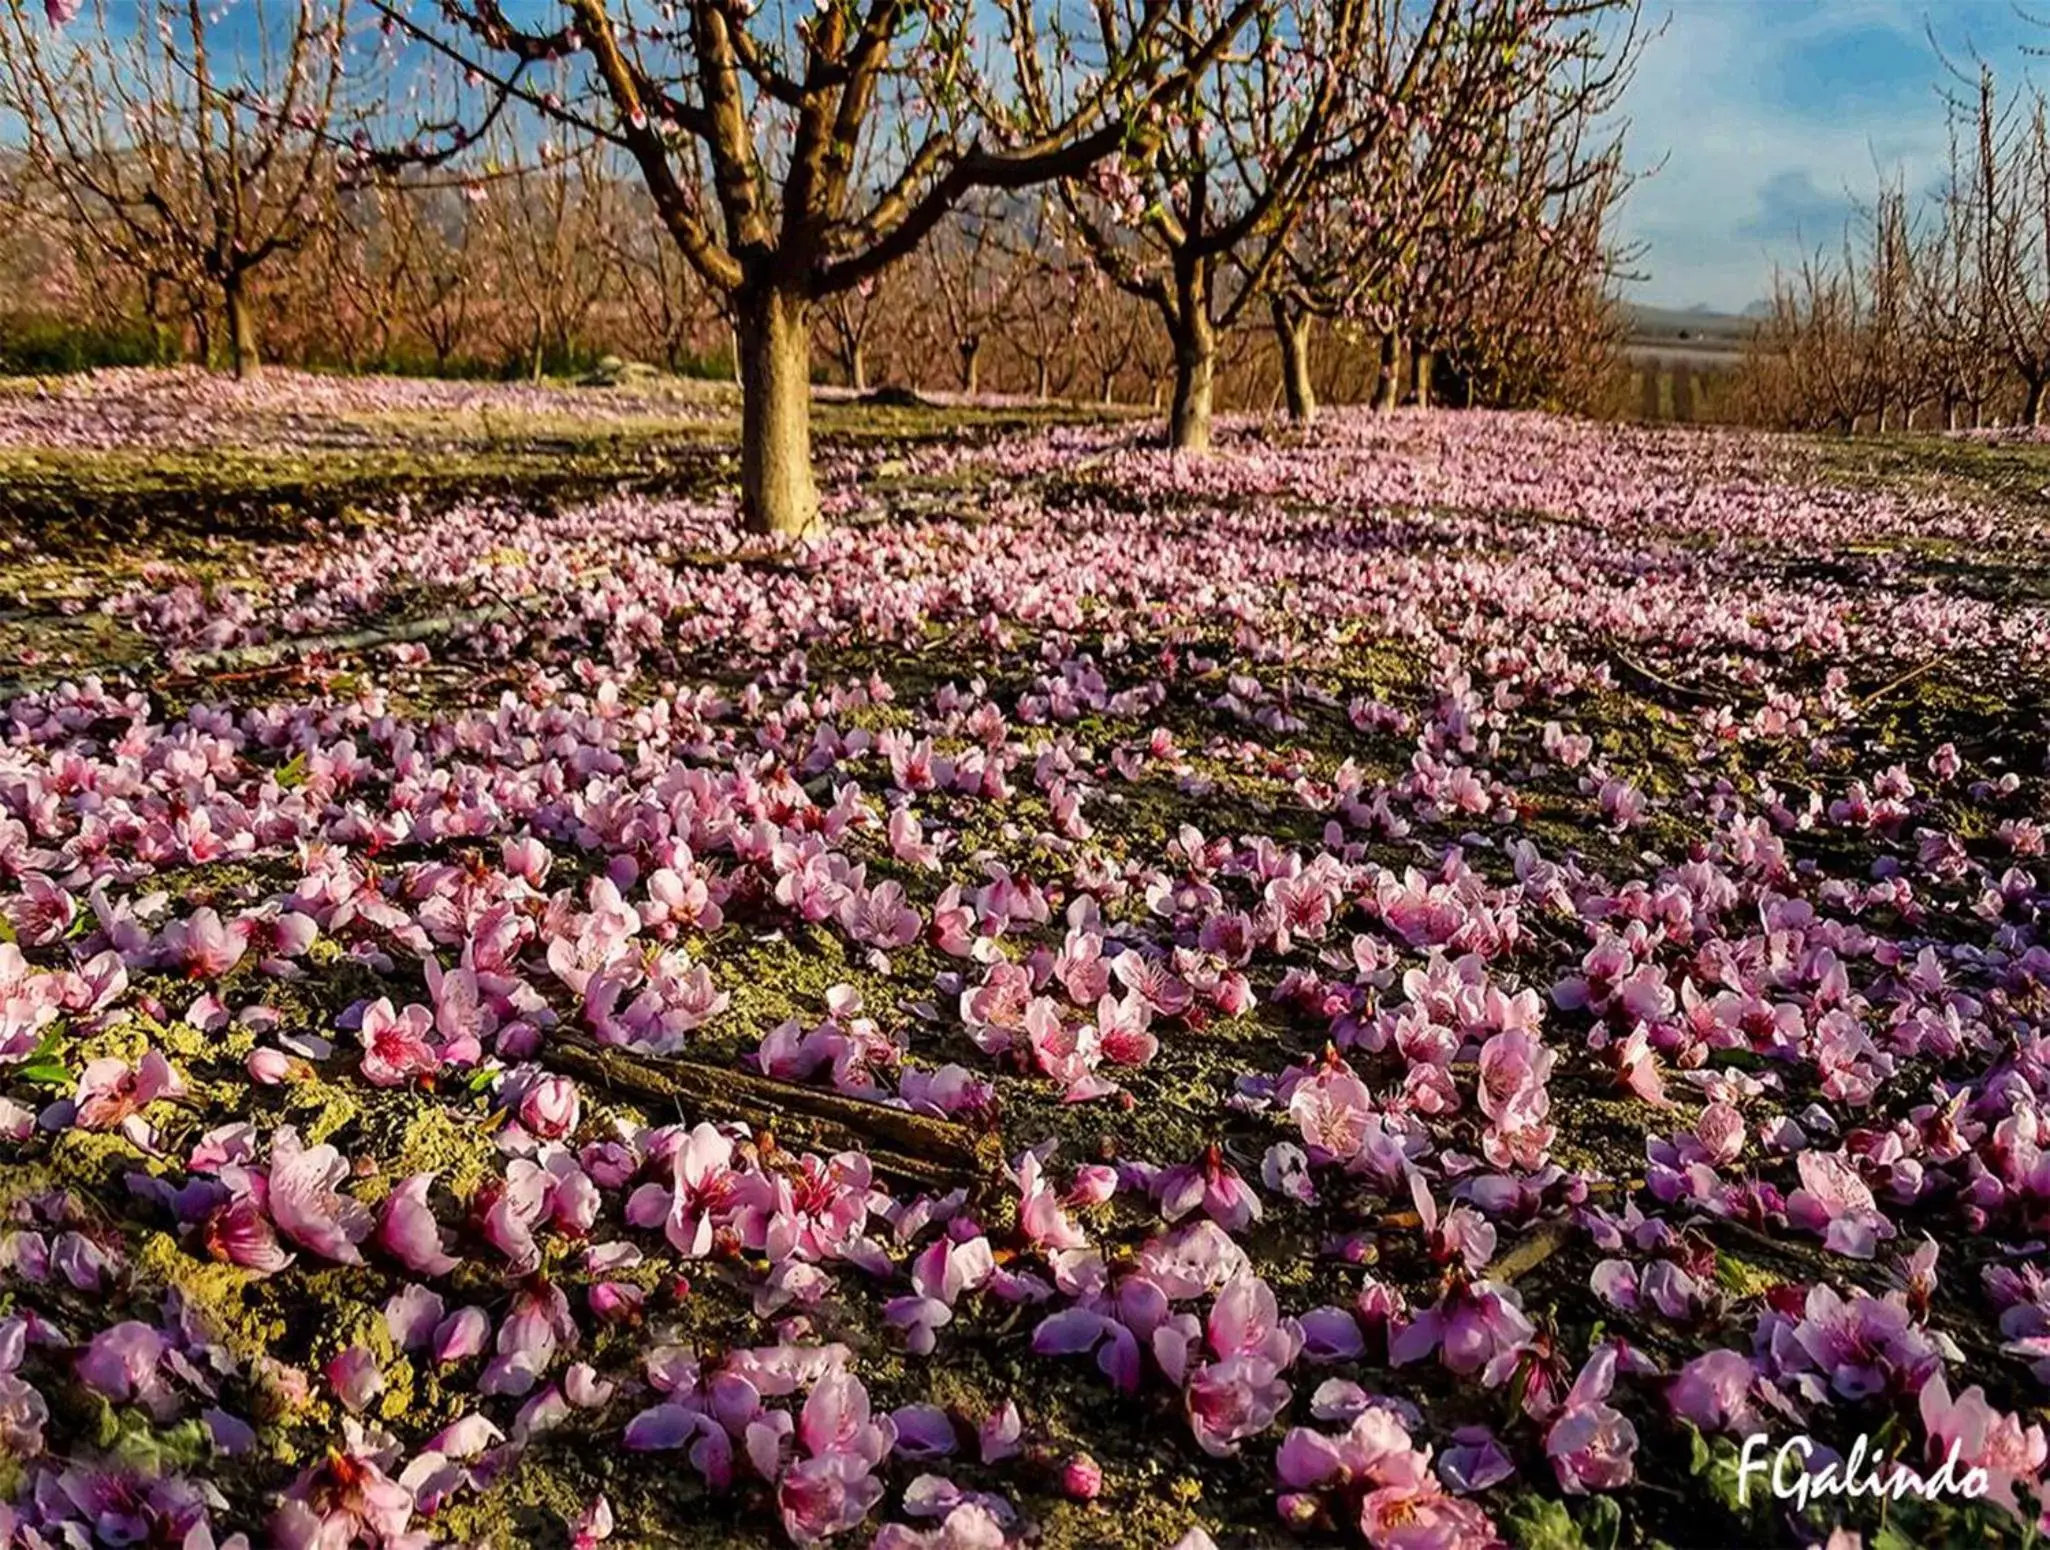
292, 773
1699, 1459
1601, 1522
44, 1064
150, 1449
1540, 1523
1519, 1385
1721, 1477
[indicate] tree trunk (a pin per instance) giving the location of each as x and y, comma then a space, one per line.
857, 368
1043, 384
1426, 365
1195, 369
1293, 333
1388, 385
777, 494
2032, 410
161, 334
241, 319
1195, 359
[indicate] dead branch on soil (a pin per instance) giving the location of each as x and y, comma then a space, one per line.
273, 653
935, 1154
1644, 680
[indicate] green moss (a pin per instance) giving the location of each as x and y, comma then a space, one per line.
1741, 1277
232, 1302
437, 1139
94, 1160
1602, 1131
319, 1108
787, 976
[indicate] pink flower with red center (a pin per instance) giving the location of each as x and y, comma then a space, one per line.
396, 1047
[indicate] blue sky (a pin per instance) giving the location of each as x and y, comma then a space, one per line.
1772, 115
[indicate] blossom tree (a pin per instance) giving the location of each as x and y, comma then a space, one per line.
1192, 221
793, 158
2013, 171
197, 144
1478, 173
972, 280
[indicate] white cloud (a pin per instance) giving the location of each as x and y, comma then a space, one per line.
1750, 154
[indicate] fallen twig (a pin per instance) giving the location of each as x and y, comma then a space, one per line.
1532, 1252
270, 653
1901, 681
1645, 678
933, 1153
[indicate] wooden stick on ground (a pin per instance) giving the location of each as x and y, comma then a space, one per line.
933, 1153
271, 653
1900, 682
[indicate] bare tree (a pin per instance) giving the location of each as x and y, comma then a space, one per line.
1956, 328
2013, 166
1114, 332
971, 275
1045, 327
1193, 222
851, 318
1485, 166
660, 295
544, 229
189, 150
1528, 313
748, 126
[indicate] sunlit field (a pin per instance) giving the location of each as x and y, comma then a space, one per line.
1411, 981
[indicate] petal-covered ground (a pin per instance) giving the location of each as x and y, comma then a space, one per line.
1410, 985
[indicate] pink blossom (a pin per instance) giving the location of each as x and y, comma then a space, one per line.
345, 1496
1589, 1442
239, 1230
879, 917
408, 1231
204, 947
551, 1107
110, 1091
705, 1188
1081, 1478
1476, 1325
1834, 1201
1984, 1438
395, 1046
306, 1204
1211, 1184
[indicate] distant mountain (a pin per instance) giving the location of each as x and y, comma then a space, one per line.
1694, 328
